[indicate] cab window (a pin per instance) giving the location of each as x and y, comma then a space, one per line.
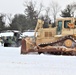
75, 22
66, 23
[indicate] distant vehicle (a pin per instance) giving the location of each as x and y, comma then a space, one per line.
10, 38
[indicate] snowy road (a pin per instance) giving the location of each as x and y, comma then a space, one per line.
13, 63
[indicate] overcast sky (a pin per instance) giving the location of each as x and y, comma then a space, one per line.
16, 6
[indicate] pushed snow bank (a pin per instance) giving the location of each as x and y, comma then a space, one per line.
6, 34
27, 34
13, 63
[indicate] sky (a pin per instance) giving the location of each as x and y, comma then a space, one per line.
16, 6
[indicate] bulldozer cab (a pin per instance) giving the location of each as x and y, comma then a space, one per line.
65, 26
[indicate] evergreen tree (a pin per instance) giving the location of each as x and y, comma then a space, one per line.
31, 15
2, 24
18, 22
67, 12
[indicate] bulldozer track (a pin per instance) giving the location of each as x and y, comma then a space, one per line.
58, 47
59, 42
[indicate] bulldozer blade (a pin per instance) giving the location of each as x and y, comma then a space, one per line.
23, 46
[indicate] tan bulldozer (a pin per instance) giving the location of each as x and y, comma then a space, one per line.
54, 40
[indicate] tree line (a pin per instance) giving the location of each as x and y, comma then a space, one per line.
32, 13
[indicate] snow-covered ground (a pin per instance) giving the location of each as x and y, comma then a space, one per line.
14, 63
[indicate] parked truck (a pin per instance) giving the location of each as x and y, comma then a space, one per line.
10, 38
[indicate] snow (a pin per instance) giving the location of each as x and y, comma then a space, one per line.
6, 34
27, 34
14, 63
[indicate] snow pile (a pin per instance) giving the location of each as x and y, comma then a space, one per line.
13, 63
27, 34
6, 34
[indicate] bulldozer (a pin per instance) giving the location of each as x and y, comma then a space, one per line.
58, 40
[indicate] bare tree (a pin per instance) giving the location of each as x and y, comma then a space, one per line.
73, 8
47, 14
54, 8
41, 8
